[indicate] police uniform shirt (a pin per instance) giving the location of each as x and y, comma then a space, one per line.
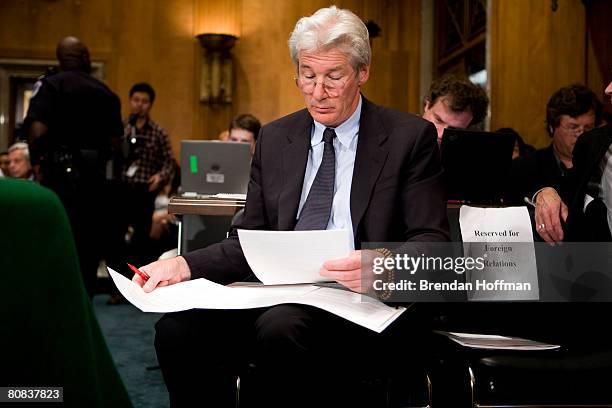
80, 111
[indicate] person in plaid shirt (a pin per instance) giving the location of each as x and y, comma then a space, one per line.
147, 168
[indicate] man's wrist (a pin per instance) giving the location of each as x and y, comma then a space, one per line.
534, 199
184, 271
389, 274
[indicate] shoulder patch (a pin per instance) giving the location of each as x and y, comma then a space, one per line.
36, 88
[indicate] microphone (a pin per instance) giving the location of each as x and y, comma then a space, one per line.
132, 119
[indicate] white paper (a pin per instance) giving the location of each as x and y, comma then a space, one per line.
509, 254
492, 341
230, 196
204, 294
286, 257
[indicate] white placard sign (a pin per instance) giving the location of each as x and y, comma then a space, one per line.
503, 237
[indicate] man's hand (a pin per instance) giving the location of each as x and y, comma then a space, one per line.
163, 273
154, 182
549, 212
347, 271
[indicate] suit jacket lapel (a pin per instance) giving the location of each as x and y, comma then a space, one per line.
369, 161
294, 157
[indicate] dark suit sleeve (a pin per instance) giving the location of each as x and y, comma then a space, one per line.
568, 190
224, 262
519, 186
588, 153
423, 192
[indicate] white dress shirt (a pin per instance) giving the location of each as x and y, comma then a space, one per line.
606, 184
345, 148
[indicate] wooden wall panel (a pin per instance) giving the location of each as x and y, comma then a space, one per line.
599, 48
534, 52
154, 40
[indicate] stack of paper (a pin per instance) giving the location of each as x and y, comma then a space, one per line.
280, 259
204, 294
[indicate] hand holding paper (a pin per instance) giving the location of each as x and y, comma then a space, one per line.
347, 271
163, 273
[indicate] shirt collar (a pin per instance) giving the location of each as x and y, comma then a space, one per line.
346, 132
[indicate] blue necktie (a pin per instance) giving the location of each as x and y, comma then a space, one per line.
317, 208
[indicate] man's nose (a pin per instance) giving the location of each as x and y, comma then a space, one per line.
581, 130
319, 91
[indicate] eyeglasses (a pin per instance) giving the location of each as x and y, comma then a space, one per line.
577, 130
331, 86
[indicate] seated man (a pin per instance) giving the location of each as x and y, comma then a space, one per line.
588, 191
19, 161
244, 128
341, 163
454, 101
570, 112
4, 164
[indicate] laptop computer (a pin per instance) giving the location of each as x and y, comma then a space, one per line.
212, 167
476, 165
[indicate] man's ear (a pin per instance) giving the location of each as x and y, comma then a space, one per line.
364, 74
426, 105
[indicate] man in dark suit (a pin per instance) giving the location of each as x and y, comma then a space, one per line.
579, 326
341, 163
570, 111
587, 190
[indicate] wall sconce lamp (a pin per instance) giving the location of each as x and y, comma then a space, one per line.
216, 80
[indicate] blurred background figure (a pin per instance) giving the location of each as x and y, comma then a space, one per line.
570, 112
520, 147
73, 122
4, 164
223, 136
19, 161
244, 128
148, 167
454, 101
164, 228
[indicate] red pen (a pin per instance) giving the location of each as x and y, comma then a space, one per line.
140, 273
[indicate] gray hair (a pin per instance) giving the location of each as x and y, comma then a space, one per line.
332, 27
20, 146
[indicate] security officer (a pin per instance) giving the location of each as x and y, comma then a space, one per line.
74, 123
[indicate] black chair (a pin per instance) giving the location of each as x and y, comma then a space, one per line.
577, 374
404, 388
